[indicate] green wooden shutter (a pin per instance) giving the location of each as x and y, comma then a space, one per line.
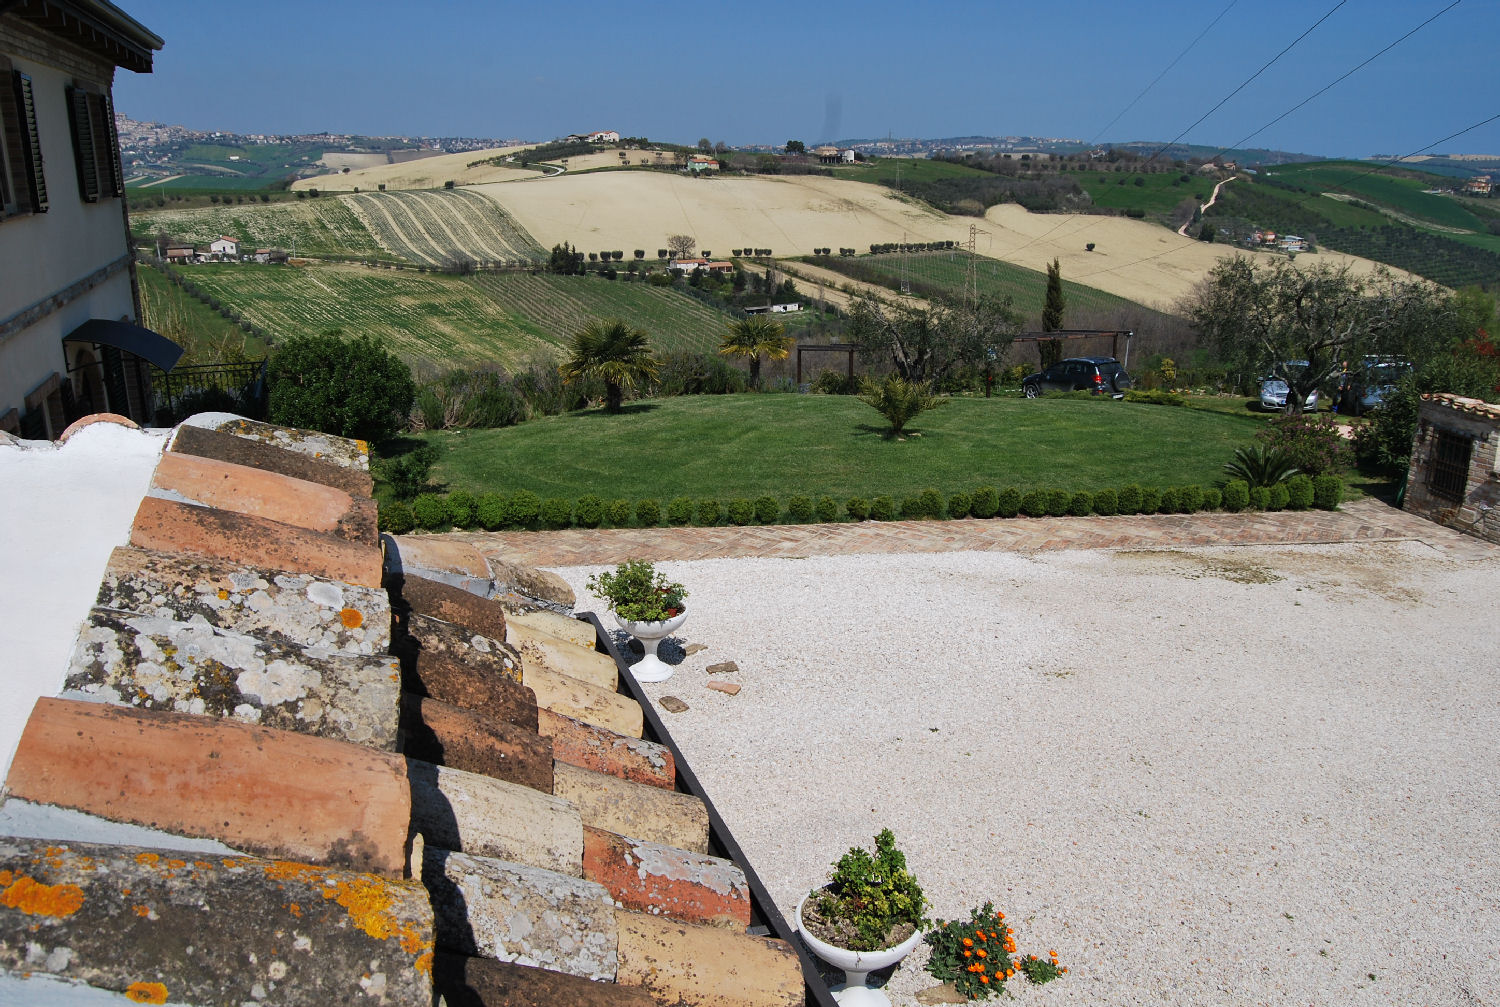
112, 155
83, 145
29, 144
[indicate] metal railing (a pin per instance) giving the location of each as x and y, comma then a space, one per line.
239, 387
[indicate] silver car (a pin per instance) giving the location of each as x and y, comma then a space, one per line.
1273, 393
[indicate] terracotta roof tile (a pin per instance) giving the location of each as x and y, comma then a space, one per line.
260, 454
604, 751
1475, 407
633, 809
666, 881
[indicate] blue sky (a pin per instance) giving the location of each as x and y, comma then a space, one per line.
769, 71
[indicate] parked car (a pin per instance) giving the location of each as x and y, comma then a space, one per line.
1273, 390
1100, 375
1366, 384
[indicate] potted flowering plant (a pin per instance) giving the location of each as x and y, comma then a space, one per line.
868, 916
647, 606
976, 956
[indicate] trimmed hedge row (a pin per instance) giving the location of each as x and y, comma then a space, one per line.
524, 509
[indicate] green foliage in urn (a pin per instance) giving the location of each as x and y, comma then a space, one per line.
638, 592
872, 901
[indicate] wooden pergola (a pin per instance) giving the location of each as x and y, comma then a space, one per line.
1058, 334
845, 348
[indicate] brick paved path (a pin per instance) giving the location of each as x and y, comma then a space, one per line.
1360, 521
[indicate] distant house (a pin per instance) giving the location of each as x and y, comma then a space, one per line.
761, 309
225, 248
604, 136
702, 162
1292, 243
827, 153
846, 155
181, 253
1480, 186
708, 266
270, 255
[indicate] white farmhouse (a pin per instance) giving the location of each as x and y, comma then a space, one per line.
225, 248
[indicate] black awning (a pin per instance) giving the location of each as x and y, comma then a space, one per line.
152, 347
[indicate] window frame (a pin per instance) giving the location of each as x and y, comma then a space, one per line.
23, 184
96, 147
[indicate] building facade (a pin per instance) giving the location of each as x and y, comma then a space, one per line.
69, 342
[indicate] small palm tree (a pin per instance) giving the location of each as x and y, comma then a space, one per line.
753, 337
1261, 465
898, 400
613, 352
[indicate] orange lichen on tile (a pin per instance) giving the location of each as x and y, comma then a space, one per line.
142, 911
294, 909
149, 858
351, 618
423, 963
365, 897
146, 993
20, 891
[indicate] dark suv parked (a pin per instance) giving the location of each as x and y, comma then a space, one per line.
1100, 375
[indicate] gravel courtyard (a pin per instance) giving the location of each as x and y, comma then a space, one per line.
1247, 775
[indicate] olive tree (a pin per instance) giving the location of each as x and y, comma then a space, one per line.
928, 343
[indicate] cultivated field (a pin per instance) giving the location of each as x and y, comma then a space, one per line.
437, 226
424, 173
323, 226
443, 321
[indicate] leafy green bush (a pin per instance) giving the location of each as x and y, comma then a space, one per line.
911, 507
1106, 502
1236, 495
1299, 491
618, 513
491, 511
708, 512
883, 508
648, 512
522, 508
959, 504
767, 509
1081, 504
1328, 492
589, 511
874, 895
1170, 502
932, 503
396, 518
461, 508
1130, 499
1008, 503
637, 591
1150, 499
833, 383
1314, 444
828, 509
406, 473
556, 512
348, 387
1260, 498
898, 400
800, 508
430, 511
1058, 502
986, 502
1212, 498
858, 508
741, 511
680, 510
1261, 465
1191, 498
1154, 397
1034, 504
1279, 496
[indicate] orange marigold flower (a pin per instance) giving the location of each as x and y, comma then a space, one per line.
985, 980
981, 953
1032, 957
999, 916
1008, 930
968, 943
1052, 953
1065, 968
1010, 973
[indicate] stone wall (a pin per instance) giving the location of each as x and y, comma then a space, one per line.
1477, 509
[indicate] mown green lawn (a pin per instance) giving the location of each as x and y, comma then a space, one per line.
783, 444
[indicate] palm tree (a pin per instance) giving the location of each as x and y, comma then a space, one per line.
753, 336
613, 352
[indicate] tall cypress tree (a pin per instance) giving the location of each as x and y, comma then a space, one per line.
1052, 314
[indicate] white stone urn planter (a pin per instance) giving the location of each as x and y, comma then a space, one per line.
857, 965
651, 668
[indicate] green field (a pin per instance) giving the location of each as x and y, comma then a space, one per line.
322, 226
1157, 194
206, 336
747, 445
1401, 194
442, 321
441, 226
891, 170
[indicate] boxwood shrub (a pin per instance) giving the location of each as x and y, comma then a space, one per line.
1260, 498
1299, 490
1212, 498
858, 508
430, 511
1191, 498
986, 502
648, 512
490, 511
1278, 497
1058, 502
828, 509
767, 509
1170, 502
462, 507
522, 508
396, 518
556, 512
618, 513
589, 511
1008, 504
911, 507
680, 510
1106, 502
1082, 504
1150, 499
959, 504
1328, 491
1034, 504
883, 508
1236, 495
932, 503
708, 512
1130, 499
740, 511
800, 508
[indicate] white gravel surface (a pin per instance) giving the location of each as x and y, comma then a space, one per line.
1209, 776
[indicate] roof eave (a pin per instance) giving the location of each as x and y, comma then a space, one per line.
96, 25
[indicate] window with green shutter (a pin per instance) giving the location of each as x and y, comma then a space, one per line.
23, 187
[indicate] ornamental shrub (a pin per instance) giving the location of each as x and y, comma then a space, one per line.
1008, 503
491, 511
858, 508
1150, 500
1170, 502
828, 509
1260, 497
800, 509
1279, 496
911, 507
741, 511
618, 513
1034, 504
708, 512
1106, 502
1212, 498
522, 508
883, 508
430, 511
875, 894
1313, 443
1082, 504
959, 504
1057, 502
556, 512
1190, 498
396, 518
648, 512
461, 508
1130, 499
680, 510
986, 502
932, 503
589, 512
1299, 491
1328, 492
767, 509
348, 387
1236, 495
